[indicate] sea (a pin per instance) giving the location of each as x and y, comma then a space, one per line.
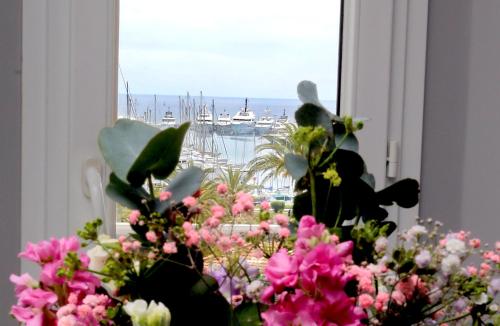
238, 150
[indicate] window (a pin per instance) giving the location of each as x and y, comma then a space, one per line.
70, 72
231, 70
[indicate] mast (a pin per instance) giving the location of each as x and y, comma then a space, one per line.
246, 104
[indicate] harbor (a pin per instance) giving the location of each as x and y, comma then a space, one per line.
224, 132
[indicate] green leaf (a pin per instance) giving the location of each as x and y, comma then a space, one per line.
204, 285
159, 157
247, 314
312, 115
120, 145
185, 183
296, 165
308, 93
124, 193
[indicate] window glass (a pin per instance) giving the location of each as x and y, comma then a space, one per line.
231, 69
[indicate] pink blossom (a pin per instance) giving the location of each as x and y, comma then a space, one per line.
169, 247
23, 282
308, 228
192, 238
398, 297
410, 286
222, 188
254, 233
127, 246
207, 236
281, 219
212, 222
282, 270
335, 239
264, 226
224, 243
133, 218
497, 246
442, 243
165, 195
122, 238
42, 252
151, 236
218, 211
136, 245
365, 301
265, 205
189, 201
472, 270
475, 243
381, 301
237, 208
284, 232
187, 226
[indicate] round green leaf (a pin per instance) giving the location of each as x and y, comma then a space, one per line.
121, 144
296, 165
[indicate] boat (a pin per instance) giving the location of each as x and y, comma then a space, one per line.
281, 122
204, 119
265, 123
168, 120
243, 122
223, 124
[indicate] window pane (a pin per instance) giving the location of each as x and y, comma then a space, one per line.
231, 69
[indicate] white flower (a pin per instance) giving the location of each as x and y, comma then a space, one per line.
455, 246
415, 231
144, 315
450, 264
98, 255
381, 244
480, 299
423, 259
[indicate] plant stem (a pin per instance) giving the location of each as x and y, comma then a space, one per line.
151, 188
337, 146
313, 193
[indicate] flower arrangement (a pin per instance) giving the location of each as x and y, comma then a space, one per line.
187, 262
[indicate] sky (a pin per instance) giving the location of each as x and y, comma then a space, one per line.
230, 48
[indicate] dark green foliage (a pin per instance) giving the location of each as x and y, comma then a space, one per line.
278, 206
355, 197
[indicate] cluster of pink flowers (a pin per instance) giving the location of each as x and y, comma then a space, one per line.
243, 203
307, 287
40, 302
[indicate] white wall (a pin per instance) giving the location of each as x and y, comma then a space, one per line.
10, 151
461, 152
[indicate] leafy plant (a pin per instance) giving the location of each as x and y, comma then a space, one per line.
137, 153
332, 181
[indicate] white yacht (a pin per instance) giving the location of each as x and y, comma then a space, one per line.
243, 122
281, 122
223, 123
265, 123
168, 120
204, 119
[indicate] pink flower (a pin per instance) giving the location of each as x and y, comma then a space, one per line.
237, 208
42, 252
308, 228
189, 201
169, 247
284, 232
281, 270
254, 233
410, 286
151, 236
365, 301
23, 282
398, 297
212, 222
265, 205
165, 195
187, 226
133, 218
497, 246
381, 301
281, 219
207, 236
127, 246
136, 245
222, 188
224, 243
122, 238
264, 226
192, 238
472, 270
218, 211
475, 243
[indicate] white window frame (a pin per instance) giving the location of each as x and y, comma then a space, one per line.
383, 77
70, 60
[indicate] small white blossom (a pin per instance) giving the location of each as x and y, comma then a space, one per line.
480, 299
144, 315
423, 259
456, 247
450, 264
381, 244
415, 231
